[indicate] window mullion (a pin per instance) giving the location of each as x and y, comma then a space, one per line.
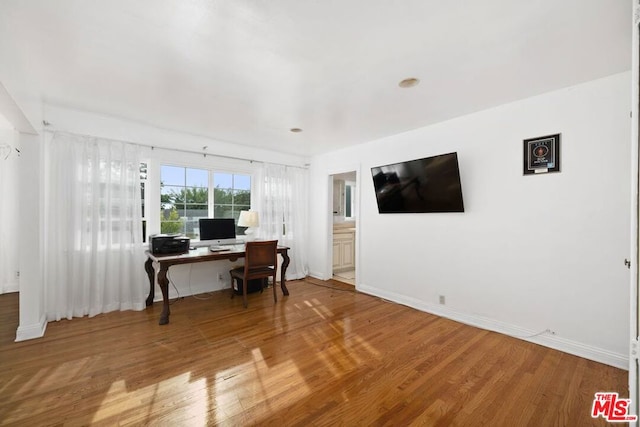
183, 214
210, 200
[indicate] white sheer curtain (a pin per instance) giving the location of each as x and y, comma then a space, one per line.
94, 236
283, 213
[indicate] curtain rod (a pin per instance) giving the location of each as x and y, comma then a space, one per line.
223, 156
180, 150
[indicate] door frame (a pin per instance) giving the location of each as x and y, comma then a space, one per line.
328, 271
634, 318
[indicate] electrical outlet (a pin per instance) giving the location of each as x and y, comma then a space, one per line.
17, 274
441, 299
549, 331
220, 276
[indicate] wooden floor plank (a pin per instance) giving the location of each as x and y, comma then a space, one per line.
325, 355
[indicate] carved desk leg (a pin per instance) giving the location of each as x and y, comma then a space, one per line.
283, 271
148, 266
164, 287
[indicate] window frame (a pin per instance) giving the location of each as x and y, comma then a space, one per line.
350, 200
184, 186
144, 209
153, 197
239, 230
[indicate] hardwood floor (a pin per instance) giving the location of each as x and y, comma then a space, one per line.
321, 357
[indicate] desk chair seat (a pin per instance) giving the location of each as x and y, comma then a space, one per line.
260, 262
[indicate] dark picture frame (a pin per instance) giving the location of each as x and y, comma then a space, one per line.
541, 154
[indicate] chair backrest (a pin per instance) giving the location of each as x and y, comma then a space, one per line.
261, 254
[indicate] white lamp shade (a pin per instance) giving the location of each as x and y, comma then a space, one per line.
248, 219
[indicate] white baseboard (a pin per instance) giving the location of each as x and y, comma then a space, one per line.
545, 339
318, 275
29, 332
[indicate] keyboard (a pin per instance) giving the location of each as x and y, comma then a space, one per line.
213, 248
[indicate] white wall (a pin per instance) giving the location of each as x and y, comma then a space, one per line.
32, 323
530, 253
21, 184
9, 225
24, 188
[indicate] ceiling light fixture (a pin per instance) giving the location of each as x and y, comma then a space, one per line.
409, 82
295, 130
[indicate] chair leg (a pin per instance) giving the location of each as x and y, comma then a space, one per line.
244, 292
275, 295
233, 293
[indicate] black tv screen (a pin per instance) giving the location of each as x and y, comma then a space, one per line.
424, 185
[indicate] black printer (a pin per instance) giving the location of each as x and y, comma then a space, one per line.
165, 244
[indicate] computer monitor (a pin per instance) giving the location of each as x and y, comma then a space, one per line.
218, 230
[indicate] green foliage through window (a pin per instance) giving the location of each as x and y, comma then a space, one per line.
184, 198
170, 222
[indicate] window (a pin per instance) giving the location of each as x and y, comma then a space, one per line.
231, 194
349, 199
105, 187
143, 183
185, 198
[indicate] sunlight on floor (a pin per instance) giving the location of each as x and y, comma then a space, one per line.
49, 378
263, 374
155, 398
259, 380
321, 310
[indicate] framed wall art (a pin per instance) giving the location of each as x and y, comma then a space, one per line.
542, 154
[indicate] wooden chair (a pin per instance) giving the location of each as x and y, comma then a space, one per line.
260, 262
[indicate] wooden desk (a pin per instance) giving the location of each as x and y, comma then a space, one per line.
197, 255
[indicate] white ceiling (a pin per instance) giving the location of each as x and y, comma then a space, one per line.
247, 71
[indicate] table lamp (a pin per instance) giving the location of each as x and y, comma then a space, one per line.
250, 220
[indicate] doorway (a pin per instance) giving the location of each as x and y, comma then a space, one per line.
344, 227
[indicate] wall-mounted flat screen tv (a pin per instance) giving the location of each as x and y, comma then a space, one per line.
424, 185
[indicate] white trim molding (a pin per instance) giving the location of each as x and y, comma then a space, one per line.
552, 341
29, 332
